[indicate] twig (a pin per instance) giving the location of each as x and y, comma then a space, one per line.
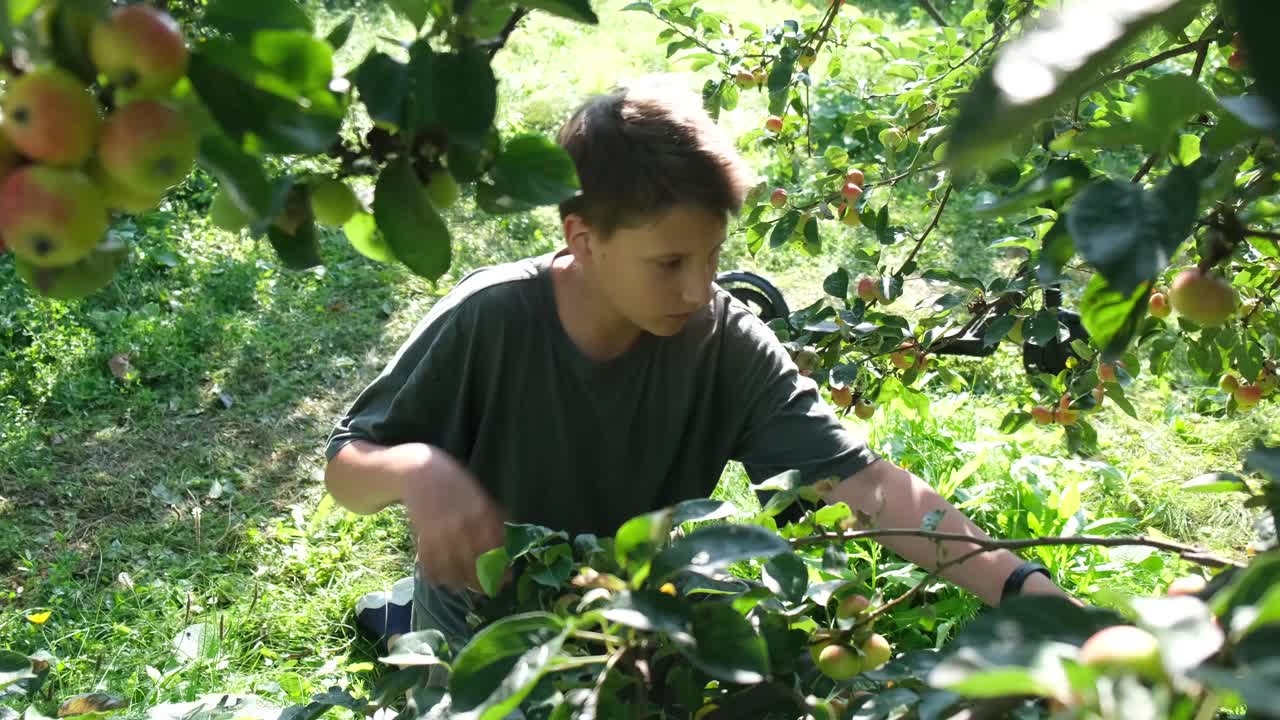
1146, 167
1144, 64
1244, 322
932, 224
992, 709
507, 29
1187, 552
1201, 48
898, 178
933, 12
832, 13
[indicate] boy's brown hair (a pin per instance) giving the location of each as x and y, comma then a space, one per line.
644, 147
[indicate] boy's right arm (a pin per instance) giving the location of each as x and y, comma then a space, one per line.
453, 517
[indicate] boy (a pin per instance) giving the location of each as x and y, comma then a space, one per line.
611, 378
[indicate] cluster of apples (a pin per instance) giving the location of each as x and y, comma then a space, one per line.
850, 190
909, 355
1062, 414
67, 163
1249, 394
844, 397
1204, 298
841, 661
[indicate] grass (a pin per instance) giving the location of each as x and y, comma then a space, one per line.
188, 493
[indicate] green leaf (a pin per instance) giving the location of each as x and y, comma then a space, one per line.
1116, 393
995, 682
787, 575
1264, 460
1056, 252
579, 10
421, 84
1164, 104
1129, 234
69, 29
530, 171
837, 284
1215, 483
1042, 327
410, 224
491, 568
812, 242
298, 250
302, 63
242, 18
362, 232
465, 92
557, 566
1258, 684
235, 97
1111, 317
523, 538
727, 646
1060, 180
1258, 21
1188, 150
341, 32
1014, 421
14, 666
651, 611
500, 665
1038, 71
713, 548
780, 74
639, 538
701, 510
383, 84
415, 11
784, 229
831, 515
82, 278
998, 329
1265, 612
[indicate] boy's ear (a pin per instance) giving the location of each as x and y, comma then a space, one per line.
578, 236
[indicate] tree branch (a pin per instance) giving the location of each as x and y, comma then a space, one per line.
1201, 46
1191, 553
507, 29
1144, 64
933, 12
898, 178
1262, 234
932, 224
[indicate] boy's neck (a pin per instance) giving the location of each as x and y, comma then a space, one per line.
597, 330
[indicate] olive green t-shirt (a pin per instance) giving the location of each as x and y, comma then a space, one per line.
491, 377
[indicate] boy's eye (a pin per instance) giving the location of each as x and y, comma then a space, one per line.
671, 264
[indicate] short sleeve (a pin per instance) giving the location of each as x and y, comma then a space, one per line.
785, 424
421, 394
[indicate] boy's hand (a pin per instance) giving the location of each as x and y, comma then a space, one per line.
454, 521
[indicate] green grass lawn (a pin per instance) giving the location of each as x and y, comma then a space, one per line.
188, 494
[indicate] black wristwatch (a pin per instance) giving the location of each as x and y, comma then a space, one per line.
1013, 583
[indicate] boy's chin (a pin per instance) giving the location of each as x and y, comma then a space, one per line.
667, 325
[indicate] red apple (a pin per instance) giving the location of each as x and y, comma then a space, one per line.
778, 198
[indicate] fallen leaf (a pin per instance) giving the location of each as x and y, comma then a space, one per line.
90, 702
120, 366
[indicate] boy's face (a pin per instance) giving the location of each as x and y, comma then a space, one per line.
657, 275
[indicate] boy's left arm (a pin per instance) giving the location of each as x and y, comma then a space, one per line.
895, 498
